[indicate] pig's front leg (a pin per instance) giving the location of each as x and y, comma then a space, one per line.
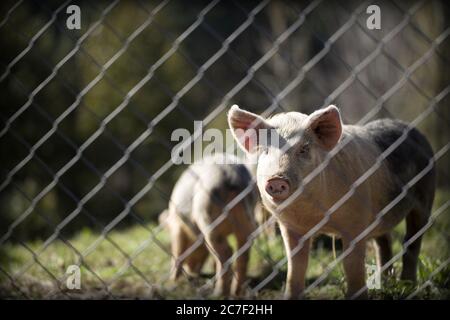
355, 270
297, 262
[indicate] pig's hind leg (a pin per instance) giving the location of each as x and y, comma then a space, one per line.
204, 211
179, 246
384, 251
197, 259
415, 220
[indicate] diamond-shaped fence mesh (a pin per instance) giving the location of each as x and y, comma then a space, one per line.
87, 117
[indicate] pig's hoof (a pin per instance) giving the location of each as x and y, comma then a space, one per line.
220, 292
238, 295
293, 296
358, 295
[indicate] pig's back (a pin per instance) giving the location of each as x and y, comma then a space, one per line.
411, 155
211, 178
218, 180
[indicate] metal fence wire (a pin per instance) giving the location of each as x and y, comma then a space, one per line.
87, 116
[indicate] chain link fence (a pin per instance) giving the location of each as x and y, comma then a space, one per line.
87, 116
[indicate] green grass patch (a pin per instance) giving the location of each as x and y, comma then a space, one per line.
134, 263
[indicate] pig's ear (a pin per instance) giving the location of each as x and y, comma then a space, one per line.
326, 126
245, 127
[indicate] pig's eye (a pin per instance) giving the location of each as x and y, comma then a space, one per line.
303, 149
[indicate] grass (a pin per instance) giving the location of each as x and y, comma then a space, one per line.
146, 276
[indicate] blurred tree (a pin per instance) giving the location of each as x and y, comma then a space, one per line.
117, 97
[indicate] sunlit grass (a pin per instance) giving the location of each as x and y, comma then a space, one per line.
140, 268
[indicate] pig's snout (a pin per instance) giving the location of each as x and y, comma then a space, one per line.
278, 188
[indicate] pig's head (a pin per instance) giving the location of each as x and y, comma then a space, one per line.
287, 146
